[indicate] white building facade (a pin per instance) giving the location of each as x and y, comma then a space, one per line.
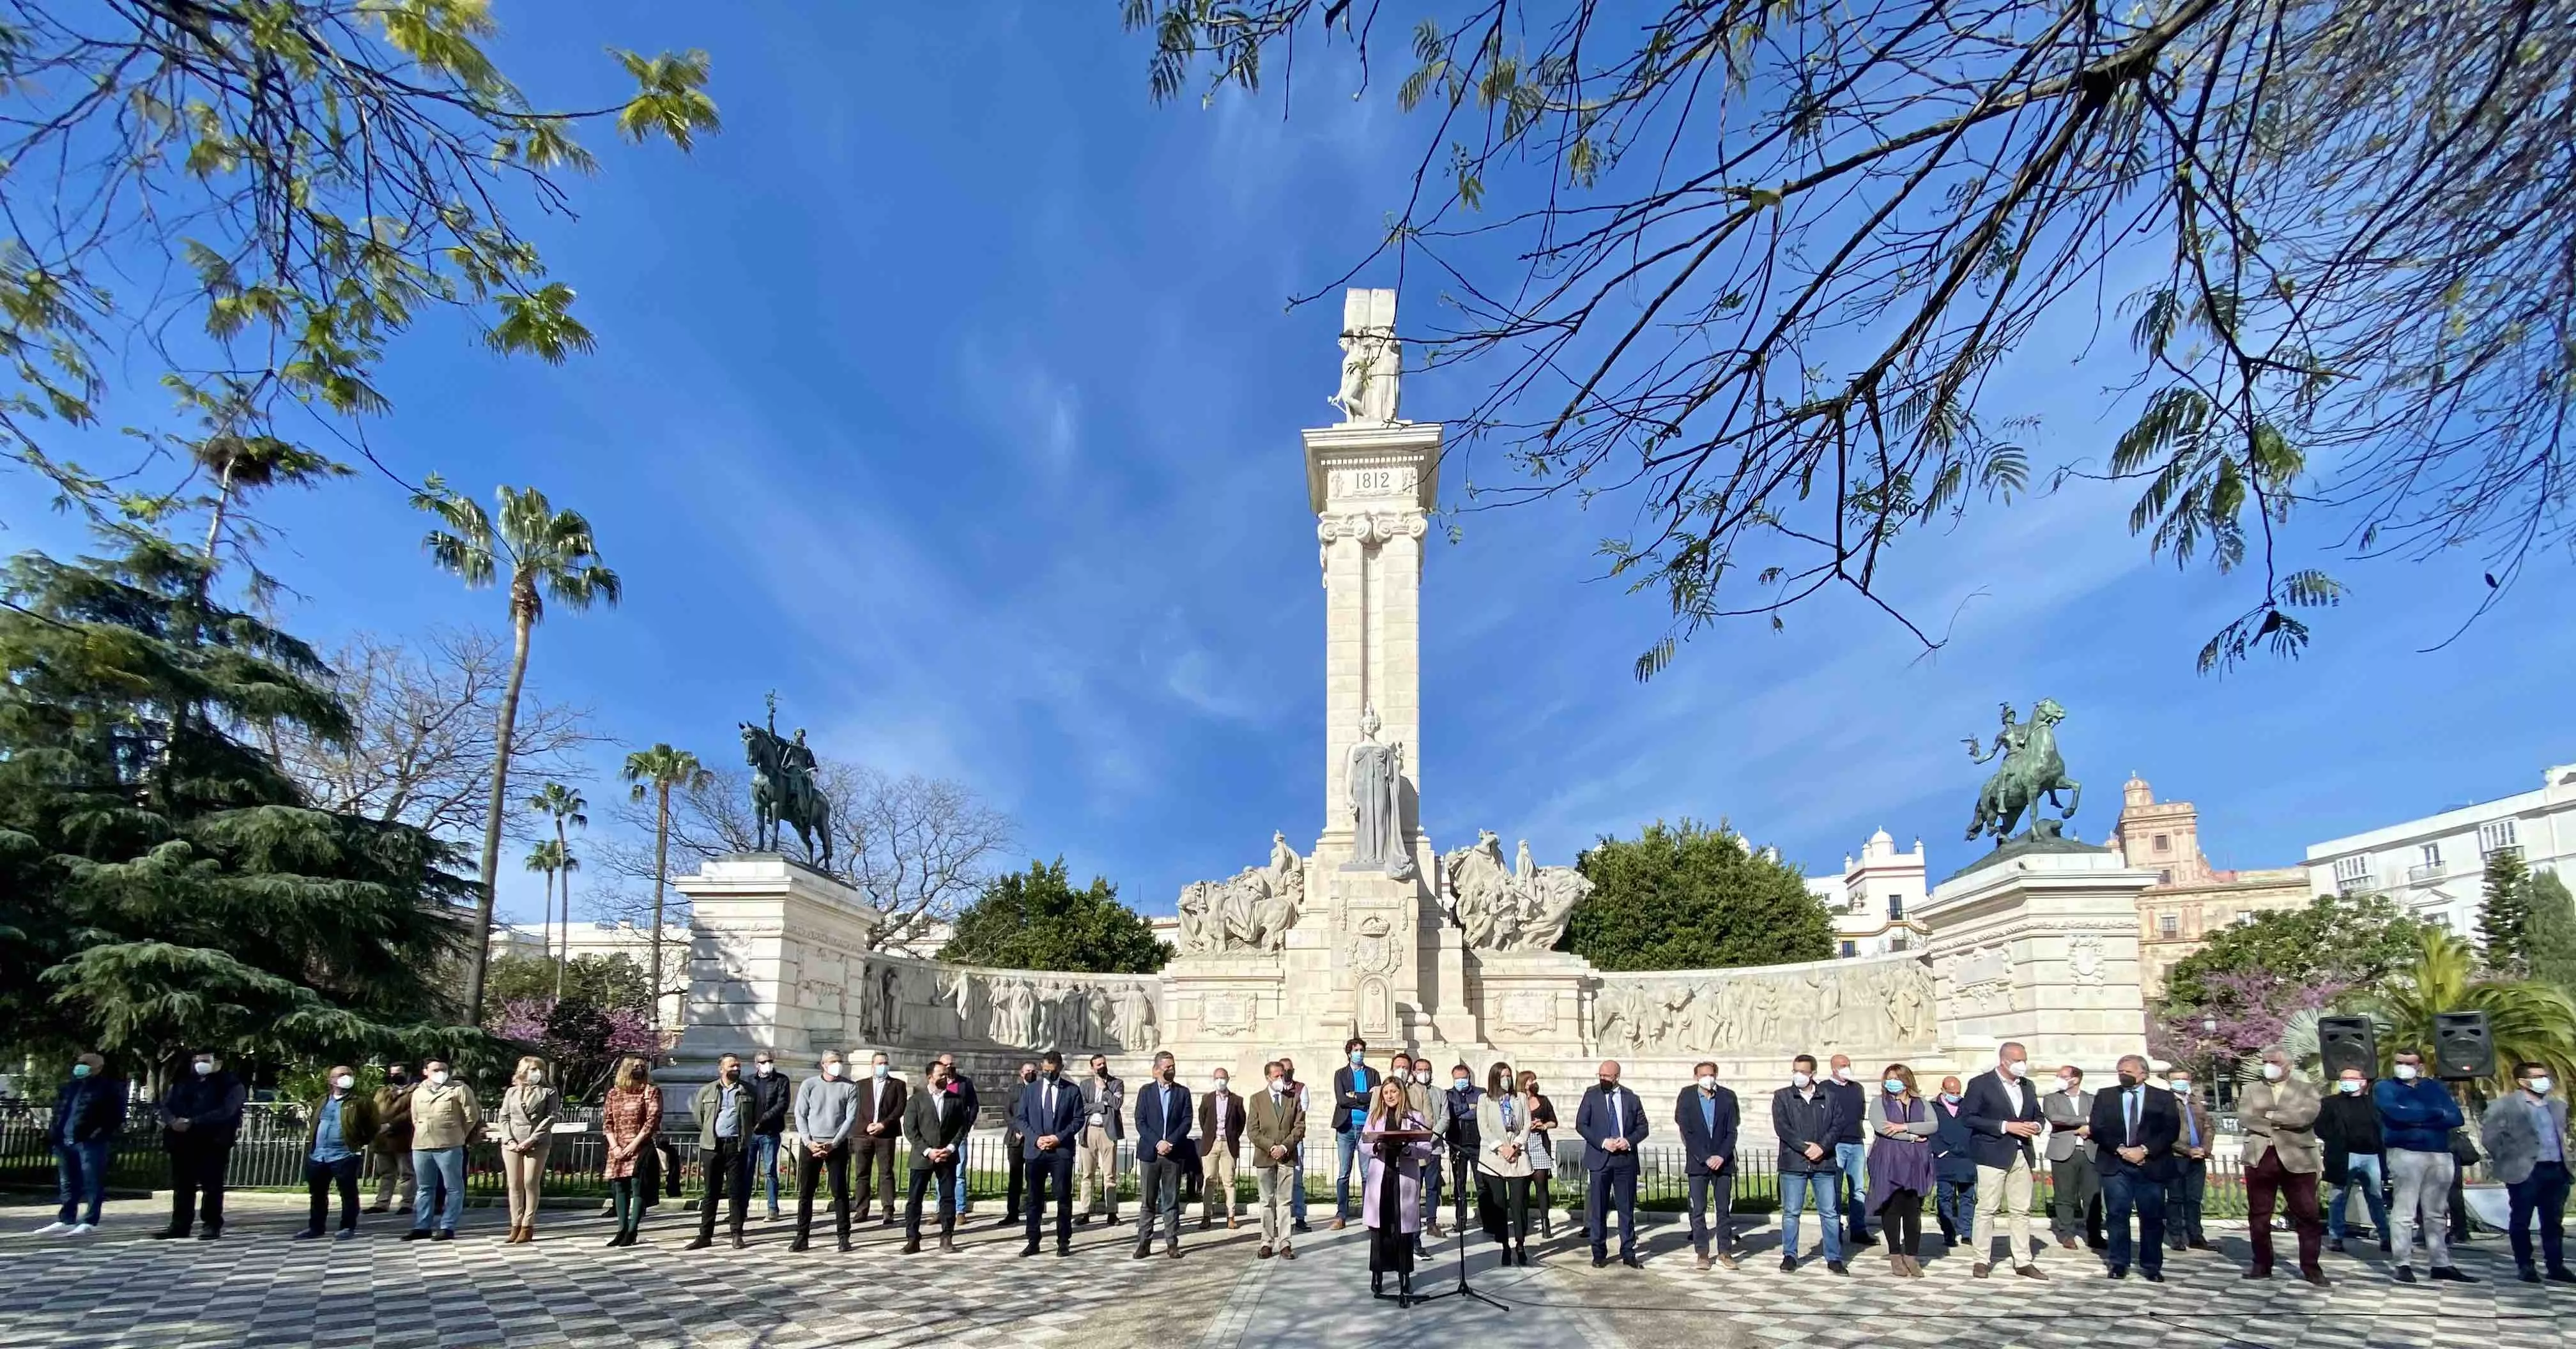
607, 939
1876, 900
2436, 866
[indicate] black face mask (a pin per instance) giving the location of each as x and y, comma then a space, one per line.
2128, 1080
1609, 1084
1028, 1077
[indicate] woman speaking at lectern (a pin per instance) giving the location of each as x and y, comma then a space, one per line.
1397, 1140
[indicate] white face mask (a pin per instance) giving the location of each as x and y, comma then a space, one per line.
761, 1068
2539, 1086
1842, 1074
536, 1077
2348, 1086
1708, 1082
2407, 1072
1278, 1084
1218, 1082
438, 1077
1801, 1079
2068, 1085
831, 1070
203, 1066
1422, 1075
2018, 1068
2271, 1072
344, 1081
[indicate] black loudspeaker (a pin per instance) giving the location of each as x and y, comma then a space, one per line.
2347, 1042
2461, 1049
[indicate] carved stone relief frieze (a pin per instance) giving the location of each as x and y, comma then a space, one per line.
1863, 1003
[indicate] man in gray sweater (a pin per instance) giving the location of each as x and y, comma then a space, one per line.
826, 1109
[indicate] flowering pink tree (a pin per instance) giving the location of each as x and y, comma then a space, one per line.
583, 1040
2244, 1013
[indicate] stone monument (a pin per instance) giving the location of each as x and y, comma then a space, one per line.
1373, 933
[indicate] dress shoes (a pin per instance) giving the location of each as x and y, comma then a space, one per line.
1143, 1249
797, 1245
1603, 1262
2316, 1277
2117, 1271
912, 1246
2402, 1274
2154, 1276
1837, 1267
1263, 1254
1632, 1262
2562, 1274
2029, 1272
1029, 1250
1172, 1248
699, 1243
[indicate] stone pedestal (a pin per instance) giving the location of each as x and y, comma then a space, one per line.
1531, 1001
777, 959
2040, 944
1227, 1009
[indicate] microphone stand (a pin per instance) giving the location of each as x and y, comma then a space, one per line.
1458, 1241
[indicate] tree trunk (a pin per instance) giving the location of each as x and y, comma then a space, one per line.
522, 620
661, 868
563, 953
215, 530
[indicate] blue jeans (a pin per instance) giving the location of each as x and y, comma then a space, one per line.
2361, 1170
764, 1168
80, 1176
441, 1174
1794, 1189
1851, 1187
2124, 1189
1955, 1203
1346, 1150
1297, 1192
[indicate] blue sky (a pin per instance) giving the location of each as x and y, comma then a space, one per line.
949, 391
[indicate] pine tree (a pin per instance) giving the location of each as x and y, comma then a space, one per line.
2553, 933
166, 885
1037, 921
1689, 897
2504, 917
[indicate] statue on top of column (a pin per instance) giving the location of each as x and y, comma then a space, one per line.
1377, 803
1371, 357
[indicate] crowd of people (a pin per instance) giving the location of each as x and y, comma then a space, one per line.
2128, 1163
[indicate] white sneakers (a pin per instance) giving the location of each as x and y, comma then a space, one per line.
65, 1230
83, 1229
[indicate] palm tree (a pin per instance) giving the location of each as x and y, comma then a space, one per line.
2526, 1019
565, 806
548, 857
549, 554
657, 771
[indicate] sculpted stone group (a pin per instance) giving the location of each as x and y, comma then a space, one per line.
1038, 1011
1510, 908
1251, 911
1883, 1003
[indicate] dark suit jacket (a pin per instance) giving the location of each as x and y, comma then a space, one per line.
896, 1094
1034, 1121
2159, 1124
1156, 1124
1351, 1088
1987, 1107
924, 1129
1011, 1112
1953, 1144
1699, 1142
1592, 1120
1229, 1137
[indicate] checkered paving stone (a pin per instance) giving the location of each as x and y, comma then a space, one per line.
256, 1287
121, 1290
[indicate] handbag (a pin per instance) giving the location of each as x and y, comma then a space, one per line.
2463, 1151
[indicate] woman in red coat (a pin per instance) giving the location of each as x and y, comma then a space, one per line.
630, 1118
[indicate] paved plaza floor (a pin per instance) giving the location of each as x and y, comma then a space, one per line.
257, 1287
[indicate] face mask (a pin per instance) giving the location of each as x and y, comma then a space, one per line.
1842, 1074
2406, 1072
1708, 1082
1052, 1074
2271, 1072
2128, 1080
344, 1081
1278, 1084
1462, 1084
1801, 1079
1028, 1077
203, 1066
2181, 1086
537, 1076
2348, 1086
2018, 1069
1358, 1057
2067, 1085
82, 1070
878, 1071
761, 1068
1217, 1082
1165, 1074
2539, 1086
1609, 1084
1422, 1075
1950, 1098
1895, 1086
1101, 1071
831, 1070
438, 1077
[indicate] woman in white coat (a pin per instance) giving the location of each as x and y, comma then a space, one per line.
1503, 1163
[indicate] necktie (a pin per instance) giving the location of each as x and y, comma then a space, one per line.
1050, 1101
2133, 1116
